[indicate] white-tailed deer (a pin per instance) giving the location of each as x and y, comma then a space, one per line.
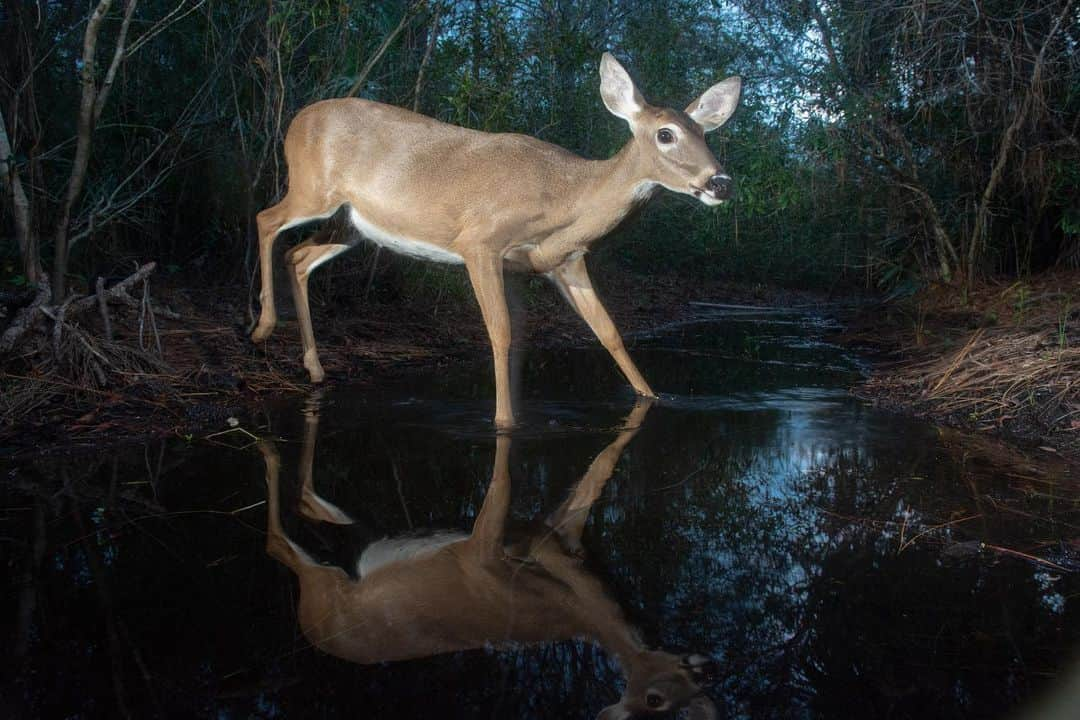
418, 595
491, 201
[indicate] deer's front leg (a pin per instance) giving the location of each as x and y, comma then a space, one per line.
569, 519
486, 276
573, 282
488, 528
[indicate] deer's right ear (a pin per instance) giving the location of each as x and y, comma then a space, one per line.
618, 91
716, 105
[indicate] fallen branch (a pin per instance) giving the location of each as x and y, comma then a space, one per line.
119, 291
26, 317
30, 316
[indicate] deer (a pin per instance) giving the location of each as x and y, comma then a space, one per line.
422, 594
489, 201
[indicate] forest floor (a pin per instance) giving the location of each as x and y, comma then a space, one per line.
1002, 360
1005, 360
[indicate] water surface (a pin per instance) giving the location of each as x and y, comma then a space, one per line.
833, 560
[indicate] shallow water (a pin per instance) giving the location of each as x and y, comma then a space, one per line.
834, 560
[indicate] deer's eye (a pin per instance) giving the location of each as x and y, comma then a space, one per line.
654, 700
665, 136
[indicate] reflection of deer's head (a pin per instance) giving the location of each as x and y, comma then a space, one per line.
659, 682
423, 594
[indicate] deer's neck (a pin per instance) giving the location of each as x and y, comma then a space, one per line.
603, 620
597, 196
620, 640
611, 190
620, 183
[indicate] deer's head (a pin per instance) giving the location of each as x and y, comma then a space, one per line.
660, 683
672, 142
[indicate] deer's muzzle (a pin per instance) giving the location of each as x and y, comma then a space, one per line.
720, 186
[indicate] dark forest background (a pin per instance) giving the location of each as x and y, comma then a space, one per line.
879, 144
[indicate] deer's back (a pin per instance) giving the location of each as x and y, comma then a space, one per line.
415, 176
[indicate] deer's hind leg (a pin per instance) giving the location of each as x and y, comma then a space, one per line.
293, 210
301, 262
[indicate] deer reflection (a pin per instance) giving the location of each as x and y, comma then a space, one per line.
418, 595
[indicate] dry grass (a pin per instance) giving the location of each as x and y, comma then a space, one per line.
1006, 358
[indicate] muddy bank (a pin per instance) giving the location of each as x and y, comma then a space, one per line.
191, 367
1003, 359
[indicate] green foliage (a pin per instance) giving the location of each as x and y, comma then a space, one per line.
830, 148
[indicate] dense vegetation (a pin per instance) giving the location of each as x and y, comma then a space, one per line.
878, 142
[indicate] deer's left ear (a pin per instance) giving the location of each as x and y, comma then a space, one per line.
716, 104
617, 90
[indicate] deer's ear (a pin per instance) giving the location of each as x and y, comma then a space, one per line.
618, 91
702, 708
614, 712
716, 104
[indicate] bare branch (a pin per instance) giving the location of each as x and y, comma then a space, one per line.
982, 218
26, 317
410, 13
432, 39
20, 208
118, 57
173, 17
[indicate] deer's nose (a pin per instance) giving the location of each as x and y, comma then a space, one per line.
720, 186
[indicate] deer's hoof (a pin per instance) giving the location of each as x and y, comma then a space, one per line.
262, 332
314, 368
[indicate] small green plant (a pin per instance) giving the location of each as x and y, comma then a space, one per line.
1023, 301
919, 324
1063, 324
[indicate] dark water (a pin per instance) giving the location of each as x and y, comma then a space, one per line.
833, 560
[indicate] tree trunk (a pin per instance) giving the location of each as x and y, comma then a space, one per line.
90, 107
25, 233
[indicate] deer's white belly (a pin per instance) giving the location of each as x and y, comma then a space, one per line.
408, 547
402, 245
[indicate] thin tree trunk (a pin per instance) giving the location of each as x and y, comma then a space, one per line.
90, 107
25, 233
432, 39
